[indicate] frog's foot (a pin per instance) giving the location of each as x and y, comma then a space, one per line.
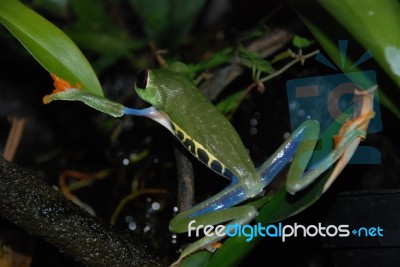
233, 217
60, 85
67, 92
353, 131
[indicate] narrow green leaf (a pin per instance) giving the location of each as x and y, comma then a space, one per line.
375, 25
198, 259
229, 103
301, 42
58, 8
167, 22
283, 205
90, 13
281, 56
219, 58
233, 251
254, 60
52, 48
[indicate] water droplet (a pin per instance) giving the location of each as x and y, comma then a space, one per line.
128, 124
286, 135
301, 113
253, 130
293, 105
155, 206
132, 226
253, 122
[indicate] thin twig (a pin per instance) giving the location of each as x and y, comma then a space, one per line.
131, 197
266, 45
287, 66
14, 137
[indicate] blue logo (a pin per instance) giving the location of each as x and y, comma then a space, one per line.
325, 98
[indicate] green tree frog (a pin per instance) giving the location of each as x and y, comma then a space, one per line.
209, 136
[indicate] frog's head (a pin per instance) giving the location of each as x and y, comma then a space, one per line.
163, 86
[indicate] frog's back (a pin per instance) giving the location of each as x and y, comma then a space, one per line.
208, 135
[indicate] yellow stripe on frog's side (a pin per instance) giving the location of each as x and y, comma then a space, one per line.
200, 152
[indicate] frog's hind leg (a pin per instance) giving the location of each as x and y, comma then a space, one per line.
302, 141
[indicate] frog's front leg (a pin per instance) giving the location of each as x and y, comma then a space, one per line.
216, 210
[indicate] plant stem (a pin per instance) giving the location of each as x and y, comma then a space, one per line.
287, 66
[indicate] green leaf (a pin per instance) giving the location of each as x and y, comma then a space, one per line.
301, 42
167, 22
198, 259
103, 43
58, 8
90, 14
281, 56
254, 60
233, 251
219, 58
283, 205
229, 103
94, 30
52, 48
375, 25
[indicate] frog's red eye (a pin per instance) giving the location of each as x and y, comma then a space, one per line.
141, 80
